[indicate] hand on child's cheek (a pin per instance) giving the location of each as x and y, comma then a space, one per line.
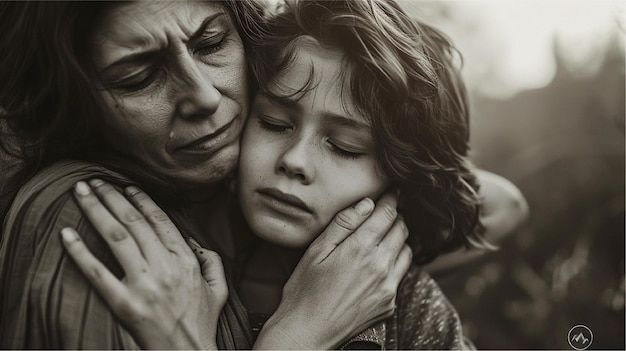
304, 160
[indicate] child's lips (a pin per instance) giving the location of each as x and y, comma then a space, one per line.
283, 199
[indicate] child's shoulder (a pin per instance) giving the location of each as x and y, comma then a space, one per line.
425, 319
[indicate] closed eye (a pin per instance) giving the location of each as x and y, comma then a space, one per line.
344, 152
211, 46
138, 82
273, 126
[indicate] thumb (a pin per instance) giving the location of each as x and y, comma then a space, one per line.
211, 268
343, 224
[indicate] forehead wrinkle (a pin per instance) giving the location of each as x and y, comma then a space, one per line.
131, 28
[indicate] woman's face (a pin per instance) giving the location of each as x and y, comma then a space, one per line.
303, 160
173, 77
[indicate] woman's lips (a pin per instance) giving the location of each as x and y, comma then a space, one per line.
284, 202
208, 143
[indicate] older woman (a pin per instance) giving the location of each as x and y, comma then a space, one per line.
154, 94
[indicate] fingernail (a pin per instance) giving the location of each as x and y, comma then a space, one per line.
131, 190
68, 235
82, 188
96, 182
364, 207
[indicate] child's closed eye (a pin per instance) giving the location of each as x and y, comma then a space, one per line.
344, 150
273, 125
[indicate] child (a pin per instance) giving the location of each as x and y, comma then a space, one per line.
359, 98
356, 98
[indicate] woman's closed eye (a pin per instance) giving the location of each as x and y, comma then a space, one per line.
138, 81
210, 45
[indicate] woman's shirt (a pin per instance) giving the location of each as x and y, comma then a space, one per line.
45, 301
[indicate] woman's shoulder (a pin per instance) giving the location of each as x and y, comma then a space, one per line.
53, 184
62, 176
45, 301
425, 319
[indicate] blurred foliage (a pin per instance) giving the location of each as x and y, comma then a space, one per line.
563, 146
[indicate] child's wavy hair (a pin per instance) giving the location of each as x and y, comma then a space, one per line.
402, 77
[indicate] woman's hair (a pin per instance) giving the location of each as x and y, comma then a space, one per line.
49, 107
401, 75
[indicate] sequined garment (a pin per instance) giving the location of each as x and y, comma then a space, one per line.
424, 320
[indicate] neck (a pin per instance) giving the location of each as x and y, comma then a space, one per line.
264, 275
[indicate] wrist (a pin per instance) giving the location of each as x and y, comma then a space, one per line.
289, 331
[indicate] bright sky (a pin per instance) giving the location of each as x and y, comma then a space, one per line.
508, 45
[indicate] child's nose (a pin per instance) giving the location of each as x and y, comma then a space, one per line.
295, 162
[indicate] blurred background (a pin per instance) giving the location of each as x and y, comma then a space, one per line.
547, 85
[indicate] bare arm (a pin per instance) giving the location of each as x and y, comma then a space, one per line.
504, 211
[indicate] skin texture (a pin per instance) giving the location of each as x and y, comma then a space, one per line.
156, 298
172, 74
165, 88
314, 146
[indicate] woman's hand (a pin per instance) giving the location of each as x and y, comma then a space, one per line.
346, 280
163, 300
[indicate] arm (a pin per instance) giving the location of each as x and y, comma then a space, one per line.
504, 211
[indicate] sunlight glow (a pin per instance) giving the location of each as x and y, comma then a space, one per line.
509, 46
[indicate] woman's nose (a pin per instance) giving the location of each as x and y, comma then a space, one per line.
295, 162
198, 95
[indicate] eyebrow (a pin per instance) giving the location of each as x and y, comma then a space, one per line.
292, 104
345, 121
197, 35
143, 55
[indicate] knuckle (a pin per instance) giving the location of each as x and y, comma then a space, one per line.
380, 268
101, 187
373, 268
137, 194
117, 235
167, 281
345, 220
158, 216
132, 217
95, 273
389, 212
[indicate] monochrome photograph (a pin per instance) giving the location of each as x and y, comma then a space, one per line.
312, 174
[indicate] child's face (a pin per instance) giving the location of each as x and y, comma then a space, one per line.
303, 160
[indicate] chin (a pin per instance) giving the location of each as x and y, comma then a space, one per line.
282, 235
